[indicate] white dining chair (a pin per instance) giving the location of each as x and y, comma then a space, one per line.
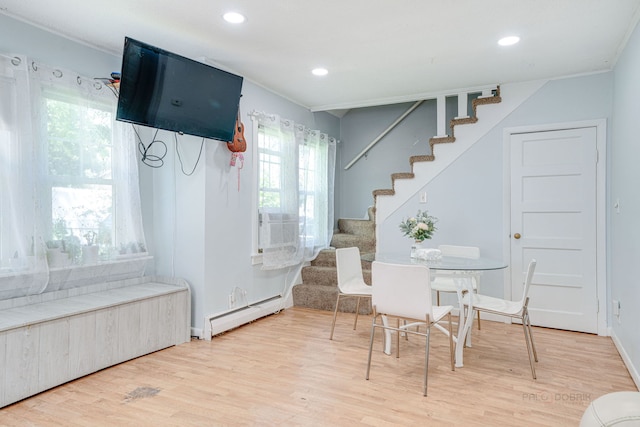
350, 281
403, 291
515, 309
444, 280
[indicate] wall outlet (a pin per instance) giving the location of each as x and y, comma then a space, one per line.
423, 197
616, 308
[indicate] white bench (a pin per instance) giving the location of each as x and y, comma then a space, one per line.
52, 338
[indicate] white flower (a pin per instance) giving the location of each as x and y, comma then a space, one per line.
420, 227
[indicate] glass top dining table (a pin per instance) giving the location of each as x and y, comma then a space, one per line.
442, 263
464, 269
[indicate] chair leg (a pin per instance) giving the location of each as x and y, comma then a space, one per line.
355, 322
406, 335
398, 339
529, 350
533, 346
373, 329
451, 348
426, 360
335, 314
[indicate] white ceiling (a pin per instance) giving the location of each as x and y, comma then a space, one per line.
377, 51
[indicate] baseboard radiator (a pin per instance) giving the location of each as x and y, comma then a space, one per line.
223, 322
50, 339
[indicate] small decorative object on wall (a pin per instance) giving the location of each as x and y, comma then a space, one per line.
419, 228
238, 146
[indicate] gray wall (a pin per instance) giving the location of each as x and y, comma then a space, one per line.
624, 232
358, 128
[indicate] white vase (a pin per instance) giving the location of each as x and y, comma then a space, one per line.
414, 248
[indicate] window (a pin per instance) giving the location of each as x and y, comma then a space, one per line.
77, 169
295, 169
278, 224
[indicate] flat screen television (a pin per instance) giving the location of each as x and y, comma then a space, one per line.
167, 91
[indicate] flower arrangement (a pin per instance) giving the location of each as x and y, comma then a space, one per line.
420, 227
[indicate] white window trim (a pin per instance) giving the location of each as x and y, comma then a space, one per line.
256, 257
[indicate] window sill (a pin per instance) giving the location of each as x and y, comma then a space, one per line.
19, 283
256, 259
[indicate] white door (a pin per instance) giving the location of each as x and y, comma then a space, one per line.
553, 219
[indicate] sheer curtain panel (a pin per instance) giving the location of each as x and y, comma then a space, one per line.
296, 169
70, 197
23, 266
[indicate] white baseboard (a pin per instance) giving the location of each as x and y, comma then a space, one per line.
217, 324
626, 359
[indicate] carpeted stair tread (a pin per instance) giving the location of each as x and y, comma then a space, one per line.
344, 240
325, 258
326, 276
319, 287
359, 227
324, 298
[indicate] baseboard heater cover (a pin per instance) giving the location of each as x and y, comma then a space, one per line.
223, 322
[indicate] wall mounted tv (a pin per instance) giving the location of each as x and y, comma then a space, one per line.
167, 91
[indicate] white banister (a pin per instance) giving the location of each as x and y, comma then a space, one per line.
384, 132
463, 99
441, 116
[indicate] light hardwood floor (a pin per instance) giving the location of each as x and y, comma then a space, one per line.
282, 370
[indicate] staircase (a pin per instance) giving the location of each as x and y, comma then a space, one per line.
319, 280
319, 287
494, 98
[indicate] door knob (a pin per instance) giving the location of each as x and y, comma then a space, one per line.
516, 236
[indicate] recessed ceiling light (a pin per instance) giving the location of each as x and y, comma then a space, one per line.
508, 41
320, 71
234, 17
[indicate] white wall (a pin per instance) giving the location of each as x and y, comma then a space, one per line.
624, 235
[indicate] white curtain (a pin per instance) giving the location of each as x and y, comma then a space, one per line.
300, 224
23, 267
74, 185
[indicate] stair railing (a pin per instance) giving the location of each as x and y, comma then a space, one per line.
384, 133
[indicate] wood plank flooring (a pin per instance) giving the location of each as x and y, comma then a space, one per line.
283, 370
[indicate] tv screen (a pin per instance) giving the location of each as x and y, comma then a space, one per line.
167, 91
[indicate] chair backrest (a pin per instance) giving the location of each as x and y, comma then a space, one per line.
402, 290
472, 252
349, 266
527, 280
